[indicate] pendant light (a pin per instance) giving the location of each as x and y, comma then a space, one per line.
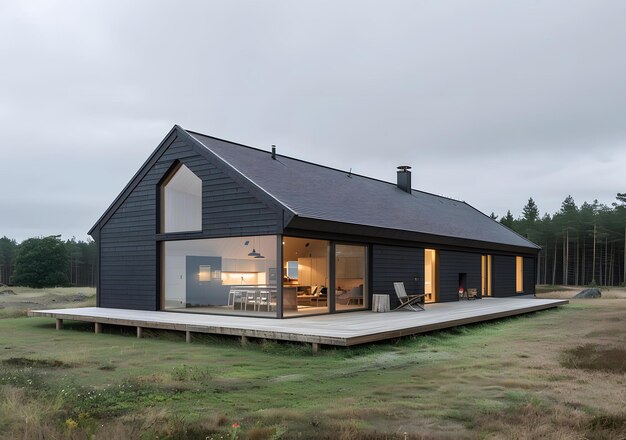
254, 253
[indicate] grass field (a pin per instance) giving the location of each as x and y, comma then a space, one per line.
16, 301
555, 374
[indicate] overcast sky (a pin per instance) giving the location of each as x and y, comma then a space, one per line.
490, 102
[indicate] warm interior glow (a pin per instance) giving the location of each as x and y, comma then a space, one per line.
305, 274
240, 278
205, 273
350, 270
430, 275
486, 275
519, 274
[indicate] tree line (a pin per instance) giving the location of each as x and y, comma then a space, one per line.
48, 262
581, 245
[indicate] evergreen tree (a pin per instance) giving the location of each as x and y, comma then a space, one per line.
530, 213
82, 262
568, 207
508, 220
8, 249
41, 262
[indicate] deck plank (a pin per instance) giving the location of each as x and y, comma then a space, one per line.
343, 329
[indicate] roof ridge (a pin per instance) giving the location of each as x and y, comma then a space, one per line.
320, 165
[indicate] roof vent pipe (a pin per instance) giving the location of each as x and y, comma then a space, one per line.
404, 178
274, 152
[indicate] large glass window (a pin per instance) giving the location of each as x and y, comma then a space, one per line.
305, 276
222, 275
430, 275
519, 274
350, 270
181, 201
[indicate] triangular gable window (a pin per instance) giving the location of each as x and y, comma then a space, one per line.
181, 201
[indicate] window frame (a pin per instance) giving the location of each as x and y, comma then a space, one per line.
173, 170
519, 274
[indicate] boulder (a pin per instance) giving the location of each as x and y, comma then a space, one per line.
589, 293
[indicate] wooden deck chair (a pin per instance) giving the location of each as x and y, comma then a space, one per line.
410, 301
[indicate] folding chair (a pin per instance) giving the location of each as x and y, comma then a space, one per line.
409, 301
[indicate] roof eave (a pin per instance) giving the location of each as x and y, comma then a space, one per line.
331, 226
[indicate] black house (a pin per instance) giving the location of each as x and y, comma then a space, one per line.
211, 226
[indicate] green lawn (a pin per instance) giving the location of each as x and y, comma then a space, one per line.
514, 378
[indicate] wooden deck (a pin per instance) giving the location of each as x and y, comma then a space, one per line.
340, 329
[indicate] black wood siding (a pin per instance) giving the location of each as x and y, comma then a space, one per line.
128, 244
503, 268
530, 265
451, 264
393, 264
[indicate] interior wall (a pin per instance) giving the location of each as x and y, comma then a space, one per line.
175, 276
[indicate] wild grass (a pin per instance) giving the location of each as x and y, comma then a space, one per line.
594, 357
20, 300
505, 379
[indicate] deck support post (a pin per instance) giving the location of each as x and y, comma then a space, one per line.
244, 340
315, 347
139, 332
188, 337
59, 324
98, 327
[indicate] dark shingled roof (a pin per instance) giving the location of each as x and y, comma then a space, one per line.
318, 192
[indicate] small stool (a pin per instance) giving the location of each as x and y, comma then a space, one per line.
380, 303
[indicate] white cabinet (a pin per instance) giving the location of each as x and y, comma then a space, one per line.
313, 271
304, 271
241, 265
319, 271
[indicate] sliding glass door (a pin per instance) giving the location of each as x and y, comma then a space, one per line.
306, 281
308, 287
350, 270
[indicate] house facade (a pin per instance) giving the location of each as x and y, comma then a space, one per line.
211, 226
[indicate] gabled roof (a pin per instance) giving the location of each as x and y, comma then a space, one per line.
318, 192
